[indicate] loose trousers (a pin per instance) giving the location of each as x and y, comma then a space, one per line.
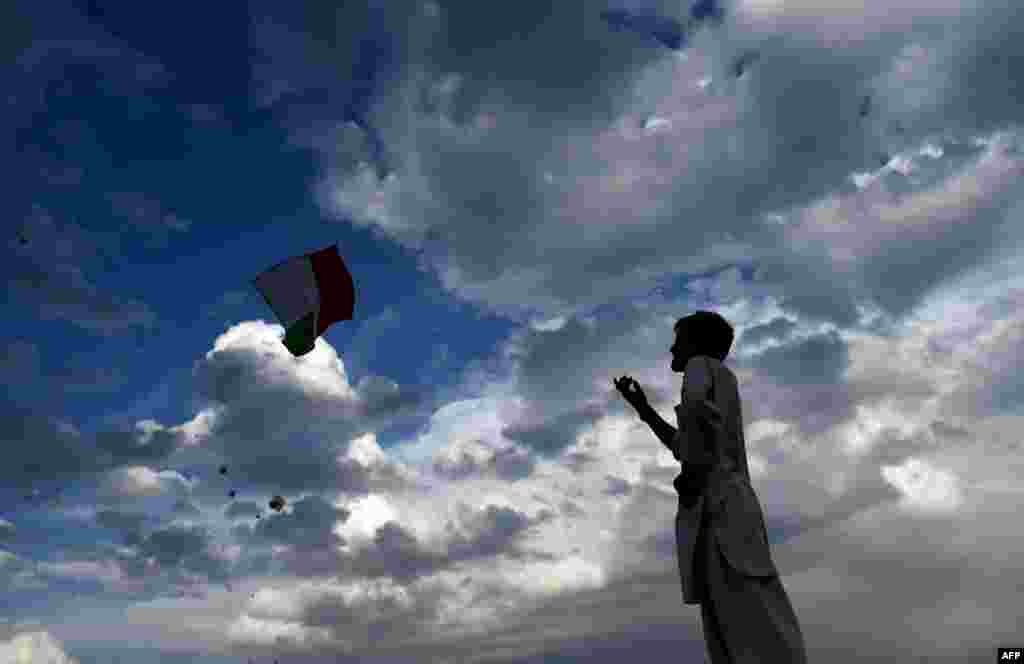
747, 619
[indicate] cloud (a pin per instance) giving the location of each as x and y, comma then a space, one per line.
308, 523
34, 647
39, 445
187, 547
286, 422
140, 481
371, 539
128, 524
759, 126
778, 329
462, 459
149, 442
819, 359
876, 311
242, 509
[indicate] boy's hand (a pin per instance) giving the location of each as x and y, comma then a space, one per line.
632, 392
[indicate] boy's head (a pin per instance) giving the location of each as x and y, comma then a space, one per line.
701, 333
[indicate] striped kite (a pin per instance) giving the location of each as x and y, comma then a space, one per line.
308, 293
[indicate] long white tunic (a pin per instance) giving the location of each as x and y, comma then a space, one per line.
734, 512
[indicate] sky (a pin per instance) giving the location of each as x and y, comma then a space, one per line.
528, 195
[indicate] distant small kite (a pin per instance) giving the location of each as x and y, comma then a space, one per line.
743, 61
277, 503
308, 293
865, 106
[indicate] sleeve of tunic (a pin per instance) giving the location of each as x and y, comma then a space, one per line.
697, 382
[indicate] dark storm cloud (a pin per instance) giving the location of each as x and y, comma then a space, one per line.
310, 524
138, 446
124, 522
586, 86
242, 509
492, 532
545, 359
489, 44
809, 156
512, 464
377, 619
552, 365
957, 250
821, 358
381, 398
172, 545
39, 446
777, 329
995, 388
395, 551
178, 550
551, 437
983, 54
185, 508
809, 289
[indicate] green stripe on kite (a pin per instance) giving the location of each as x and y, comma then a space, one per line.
300, 338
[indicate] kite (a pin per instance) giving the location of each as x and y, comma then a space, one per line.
742, 62
307, 294
865, 106
277, 503
223, 470
666, 31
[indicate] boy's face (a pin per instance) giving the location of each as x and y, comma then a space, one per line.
681, 352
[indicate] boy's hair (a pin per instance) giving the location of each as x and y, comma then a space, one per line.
709, 332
